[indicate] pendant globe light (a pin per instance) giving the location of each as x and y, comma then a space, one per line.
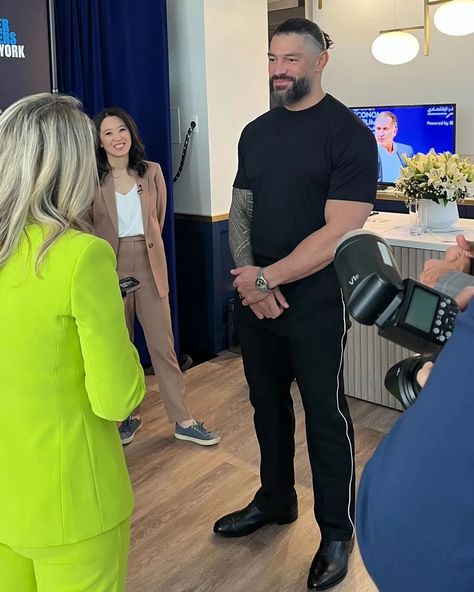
395, 47
455, 17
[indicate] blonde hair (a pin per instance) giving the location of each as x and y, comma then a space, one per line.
48, 172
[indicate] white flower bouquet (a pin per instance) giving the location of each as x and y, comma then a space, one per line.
442, 177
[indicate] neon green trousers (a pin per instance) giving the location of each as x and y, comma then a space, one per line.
98, 564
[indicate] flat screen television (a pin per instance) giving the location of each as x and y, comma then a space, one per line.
408, 129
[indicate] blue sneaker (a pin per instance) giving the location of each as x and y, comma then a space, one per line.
128, 428
196, 433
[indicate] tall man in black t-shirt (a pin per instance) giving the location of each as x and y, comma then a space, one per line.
307, 174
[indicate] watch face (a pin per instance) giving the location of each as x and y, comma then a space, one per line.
261, 284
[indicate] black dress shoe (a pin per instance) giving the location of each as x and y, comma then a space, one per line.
250, 519
329, 566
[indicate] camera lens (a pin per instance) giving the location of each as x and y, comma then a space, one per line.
401, 381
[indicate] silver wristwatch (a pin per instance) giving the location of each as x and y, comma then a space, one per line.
261, 283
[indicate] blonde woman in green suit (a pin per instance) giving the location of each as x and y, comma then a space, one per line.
68, 371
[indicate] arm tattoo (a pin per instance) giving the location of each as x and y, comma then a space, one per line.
240, 219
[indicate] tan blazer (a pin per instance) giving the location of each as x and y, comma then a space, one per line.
152, 190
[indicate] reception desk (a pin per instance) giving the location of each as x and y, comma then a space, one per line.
368, 356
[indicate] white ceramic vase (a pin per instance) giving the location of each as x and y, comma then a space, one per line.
438, 217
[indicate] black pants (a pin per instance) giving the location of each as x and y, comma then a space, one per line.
306, 343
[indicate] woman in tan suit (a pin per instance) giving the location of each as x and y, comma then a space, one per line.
129, 212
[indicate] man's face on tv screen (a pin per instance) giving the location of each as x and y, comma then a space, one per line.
385, 131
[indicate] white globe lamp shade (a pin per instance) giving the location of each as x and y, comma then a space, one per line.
395, 48
455, 18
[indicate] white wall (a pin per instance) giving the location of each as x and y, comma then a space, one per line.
356, 78
237, 84
186, 44
218, 71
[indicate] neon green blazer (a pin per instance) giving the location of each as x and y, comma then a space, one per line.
68, 372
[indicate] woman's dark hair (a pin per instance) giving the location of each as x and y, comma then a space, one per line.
136, 156
302, 26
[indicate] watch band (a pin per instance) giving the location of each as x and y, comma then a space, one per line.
260, 282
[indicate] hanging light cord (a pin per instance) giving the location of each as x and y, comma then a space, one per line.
192, 125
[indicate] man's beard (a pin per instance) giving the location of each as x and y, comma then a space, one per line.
300, 88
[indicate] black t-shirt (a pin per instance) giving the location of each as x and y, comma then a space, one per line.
293, 161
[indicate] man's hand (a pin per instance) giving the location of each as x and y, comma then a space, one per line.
435, 268
423, 373
464, 297
270, 307
457, 258
463, 249
245, 284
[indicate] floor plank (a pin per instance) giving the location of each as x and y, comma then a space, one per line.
181, 489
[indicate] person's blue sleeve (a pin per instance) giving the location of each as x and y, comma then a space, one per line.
415, 510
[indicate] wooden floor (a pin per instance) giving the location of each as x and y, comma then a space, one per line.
182, 488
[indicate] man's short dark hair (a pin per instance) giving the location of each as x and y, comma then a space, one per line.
302, 26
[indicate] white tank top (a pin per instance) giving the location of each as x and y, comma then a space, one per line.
129, 213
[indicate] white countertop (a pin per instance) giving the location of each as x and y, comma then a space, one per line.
395, 230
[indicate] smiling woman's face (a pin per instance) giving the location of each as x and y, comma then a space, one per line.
115, 137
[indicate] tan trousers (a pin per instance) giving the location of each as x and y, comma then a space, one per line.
153, 313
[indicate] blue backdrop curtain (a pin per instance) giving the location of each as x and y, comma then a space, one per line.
115, 53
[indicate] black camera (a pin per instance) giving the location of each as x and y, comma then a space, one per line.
401, 382
405, 311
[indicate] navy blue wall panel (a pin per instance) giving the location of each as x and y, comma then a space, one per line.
203, 263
